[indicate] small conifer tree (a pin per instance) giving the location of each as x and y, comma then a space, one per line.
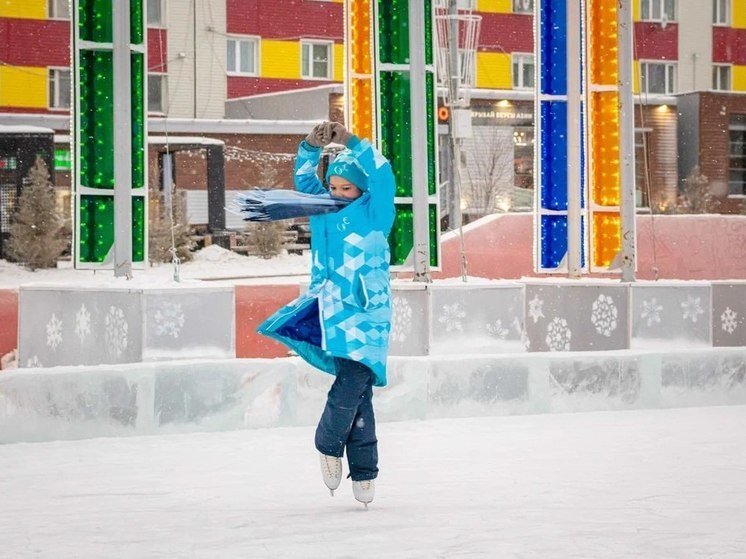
37, 236
267, 238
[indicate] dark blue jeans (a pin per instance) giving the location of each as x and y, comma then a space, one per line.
348, 420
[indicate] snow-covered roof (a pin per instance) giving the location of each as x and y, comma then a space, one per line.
24, 129
329, 87
176, 140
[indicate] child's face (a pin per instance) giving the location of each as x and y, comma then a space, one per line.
340, 187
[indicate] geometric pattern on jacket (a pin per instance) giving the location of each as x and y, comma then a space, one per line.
346, 311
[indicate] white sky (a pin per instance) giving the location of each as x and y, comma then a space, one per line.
636, 484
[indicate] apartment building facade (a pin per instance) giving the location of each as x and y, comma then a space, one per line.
217, 68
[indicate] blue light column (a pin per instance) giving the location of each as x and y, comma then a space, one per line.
551, 202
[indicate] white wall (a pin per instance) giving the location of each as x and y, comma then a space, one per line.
695, 45
196, 77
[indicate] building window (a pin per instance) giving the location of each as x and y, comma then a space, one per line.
157, 92
242, 56
523, 71
59, 88
737, 159
658, 77
523, 6
658, 10
720, 77
316, 60
466, 4
155, 13
58, 9
721, 12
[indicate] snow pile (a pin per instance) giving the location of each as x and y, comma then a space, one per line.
218, 254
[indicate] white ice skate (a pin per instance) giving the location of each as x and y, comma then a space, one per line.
364, 491
331, 471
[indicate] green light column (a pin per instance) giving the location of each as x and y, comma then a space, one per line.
108, 53
406, 119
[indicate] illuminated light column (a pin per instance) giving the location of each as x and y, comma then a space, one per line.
392, 101
360, 83
555, 158
110, 178
603, 134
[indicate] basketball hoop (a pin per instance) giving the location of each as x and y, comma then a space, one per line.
457, 35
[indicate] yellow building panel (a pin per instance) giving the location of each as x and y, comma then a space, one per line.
339, 63
495, 6
636, 10
25, 9
23, 87
636, 78
739, 78
281, 59
494, 70
738, 12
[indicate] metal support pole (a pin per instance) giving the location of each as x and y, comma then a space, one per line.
574, 141
122, 139
418, 115
627, 139
454, 186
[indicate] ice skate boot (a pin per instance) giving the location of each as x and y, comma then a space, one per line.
331, 471
364, 491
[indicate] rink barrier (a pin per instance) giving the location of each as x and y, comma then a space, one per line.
86, 326
217, 395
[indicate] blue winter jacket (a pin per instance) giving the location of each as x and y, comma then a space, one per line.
346, 311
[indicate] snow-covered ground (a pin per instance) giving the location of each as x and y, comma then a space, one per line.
211, 263
637, 484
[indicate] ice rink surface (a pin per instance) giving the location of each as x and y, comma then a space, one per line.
633, 484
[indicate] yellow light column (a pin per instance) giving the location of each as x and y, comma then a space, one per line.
360, 83
603, 160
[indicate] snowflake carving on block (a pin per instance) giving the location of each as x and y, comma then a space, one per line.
169, 320
451, 316
651, 311
729, 320
82, 323
497, 330
535, 308
692, 308
34, 362
54, 332
558, 335
116, 332
604, 315
401, 318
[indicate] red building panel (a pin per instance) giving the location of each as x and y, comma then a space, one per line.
9, 320
728, 45
289, 20
157, 50
242, 87
654, 42
506, 33
254, 304
34, 42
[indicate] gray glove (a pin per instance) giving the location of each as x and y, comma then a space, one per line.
316, 137
338, 133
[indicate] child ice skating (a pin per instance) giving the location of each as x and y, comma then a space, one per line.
341, 324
